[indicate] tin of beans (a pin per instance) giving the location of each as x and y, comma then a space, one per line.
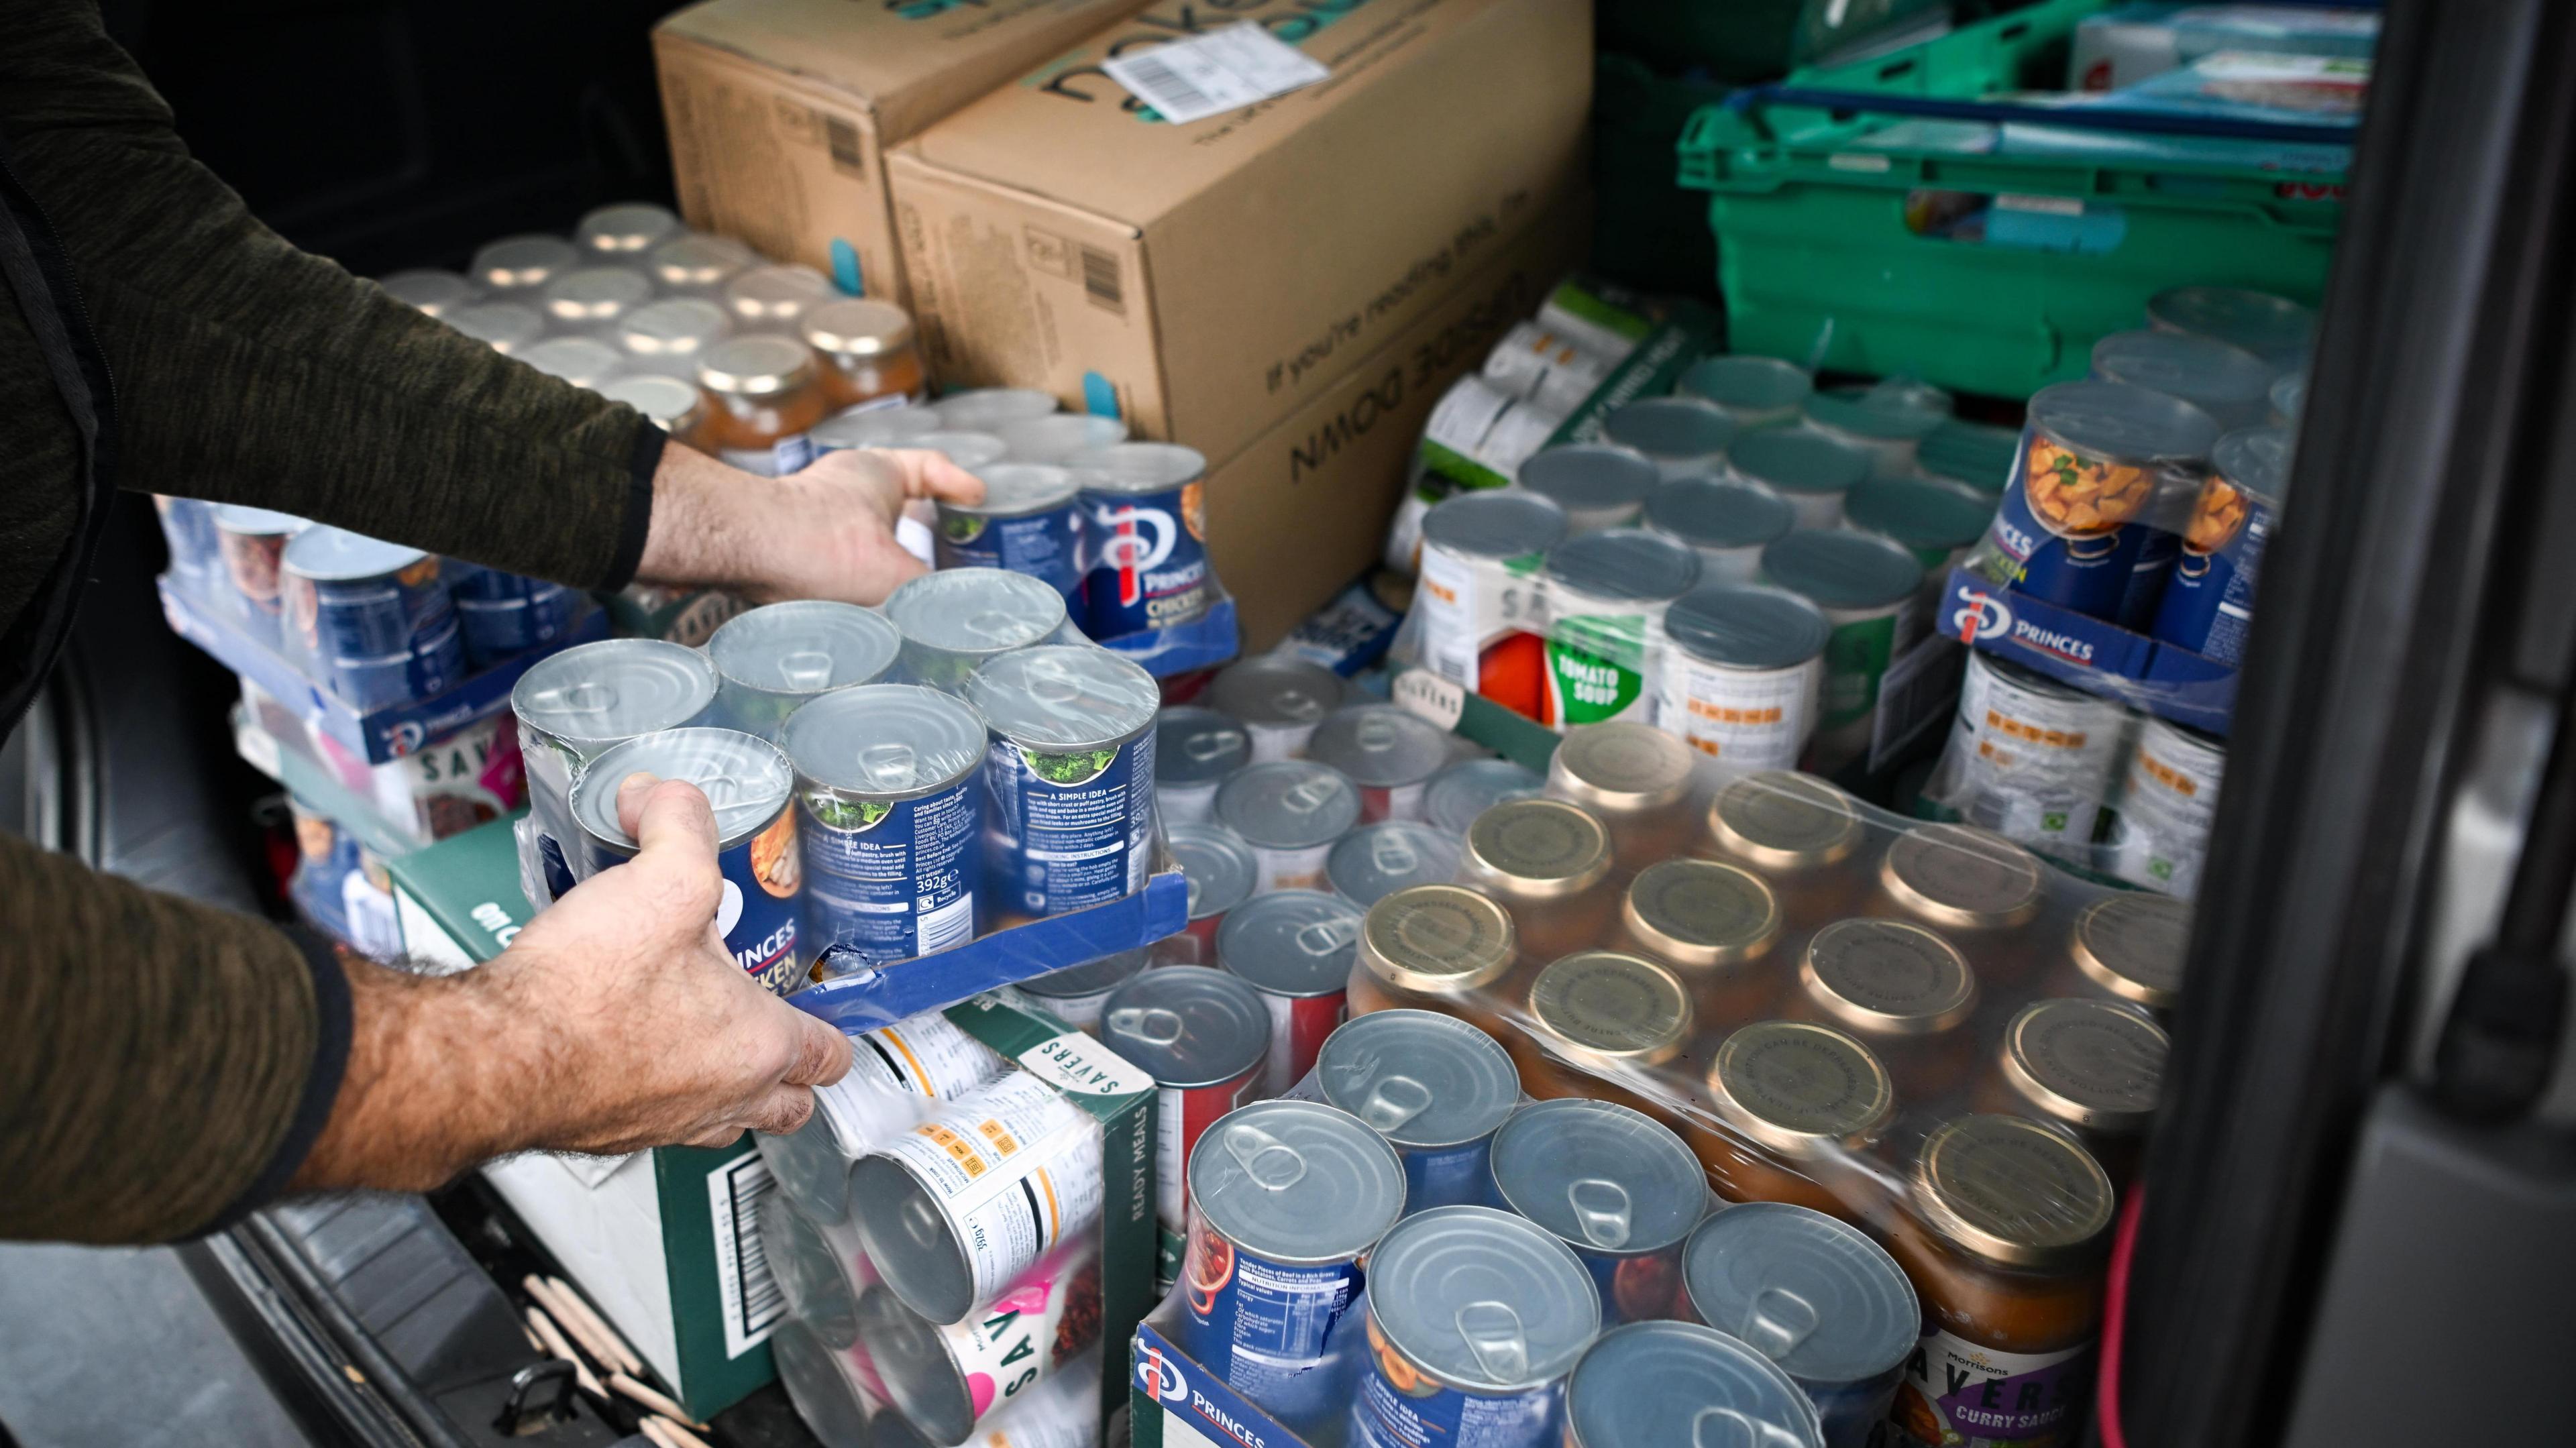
1816, 1296
1653, 1383
1597, 485
1202, 1035
1374, 861
1615, 1185
1278, 700
1221, 871
1195, 750
1290, 813
505, 615
1075, 994
374, 618
1726, 521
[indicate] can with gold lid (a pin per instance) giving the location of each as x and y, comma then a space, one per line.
762, 400
1962, 878
1794, 1101
1904, 989
1436, 945
2004, 1243
2131, 945
1634, 778
868, 352
1713, 923
1604, 1012
1796, 831
2092, 1066
1549, 861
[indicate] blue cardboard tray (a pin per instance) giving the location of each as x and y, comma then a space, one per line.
2088, 653
1175, 1403
383, 734
1204, 642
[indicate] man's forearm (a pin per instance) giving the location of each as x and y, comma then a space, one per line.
441, 1075
712, 524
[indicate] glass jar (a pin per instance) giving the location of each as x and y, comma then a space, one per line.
2131, 945
595, 299
1797, 832
775, 298
669, 403
1901, 988
1796, 1103
1548, 862
2092, 1066
1600, 1011
670, 337
2003, 1239
1434, 947
1971, 884
867, 350
1714, 924
1636, 779
762, 398
698, 265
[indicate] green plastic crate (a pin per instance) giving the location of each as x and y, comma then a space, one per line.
1816, 259
1742, 40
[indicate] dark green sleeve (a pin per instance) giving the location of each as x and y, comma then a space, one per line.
248, 371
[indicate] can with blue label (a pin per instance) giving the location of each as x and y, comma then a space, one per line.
771, 661
1615, 1185
1816, 1296
1434, 1086
2076, 525
576, 705
1286, 1197
196, 554
1029, 522
889, 778
372, 619
1667, 1384
748, 783
1071, 770
2208, 604
952, 621
252, 544
1146, 512
506, 614
1474, 1319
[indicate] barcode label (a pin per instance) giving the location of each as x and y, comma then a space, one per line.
948, 925
843, 137
1100, 280
1223, 70
747, 1289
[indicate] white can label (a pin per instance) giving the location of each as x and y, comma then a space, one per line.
1464, 414
1467, 603
1756, 718
1290, 869
1186, 804
898, 1073
1012, 1346
2165, 812
2033, 765
1017, 1167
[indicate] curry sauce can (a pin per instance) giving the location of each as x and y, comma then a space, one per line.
2076, 526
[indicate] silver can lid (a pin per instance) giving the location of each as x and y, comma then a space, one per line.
818, 1387
1813, 1294
1187, 1026
1581, 476
2209, 374
1482, 1299
1678, 429
430, 290
598, 693
593, 295
1296, 1182
1216, 863
669, 402
2263, 324
1295, 943
812, 1170
776, 295
805, 647
1011, 490
982, 409
1746, 626
1626, 564
1420, 1079
326, 554
874, 427
1139, 467
1058, 438
522, 263
808, 1271
673, 333
1892, 410
1746, 383
976, 610
1798, 460
1197, 746
1382, 746
2256, 460
1374, 861
1652, 1384
625, 228
1064, 696
581, 361
1468, 788
1494, 524
2120, 423
697, 262
911, 1358
1092, 977
1293, 804
1979, 455
1918, 514
502, 326
890, 741
745, 778
973, 451
1719, 513
1599, 1175
1276, 689
1832, 568
2290, 396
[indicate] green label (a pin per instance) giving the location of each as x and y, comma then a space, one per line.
1855, 655
1591, 668
1169, 1246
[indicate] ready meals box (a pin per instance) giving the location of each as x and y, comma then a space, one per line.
780, 111
1207, 272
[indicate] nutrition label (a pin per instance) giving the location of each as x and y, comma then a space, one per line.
1447, 1418
1078, 821
895, 1071
891, 880
1756, 718
1015, 1165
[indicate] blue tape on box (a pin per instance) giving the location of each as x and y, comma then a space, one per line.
376, 735
880, 995
2089, 653
1204, 642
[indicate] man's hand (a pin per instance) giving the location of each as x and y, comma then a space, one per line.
614, 1021
826, 532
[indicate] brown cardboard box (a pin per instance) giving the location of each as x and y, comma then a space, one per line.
1304, 509
780, 111
1214, 277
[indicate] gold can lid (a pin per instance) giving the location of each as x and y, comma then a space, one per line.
1622, 768
2092, 1064
1702, 913
759, 365
1798, 1088
1603, 1007
2132, 945
858, 327
1887, 978
1534, 849
1960, 875
2012, 1191
1436, 940
1784, 821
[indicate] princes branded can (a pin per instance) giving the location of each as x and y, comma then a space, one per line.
1607, 594
1475, 1316
890, 780
2096, 459
574, 705
1459, 793
2030, 758
771, 660
1147, 518
1649, 1384
2229, 383
1434, 1086
374, 619
1071, 771
1295, 948
1727, 522
954, 1210
1374, 861
1076, 994
1682, 436
897, 1074
1615, 1185
1220, 870
747, 782
950, 1380
1816, 1296
2166, 807
955, 620
1195, 750
1029, 522
1202, 1035
2208, 604
507, 614
1389, 751
1286, 1197
1812, 471
1743, 672
1278, 700
1597, 485
1478, 594
1290, 813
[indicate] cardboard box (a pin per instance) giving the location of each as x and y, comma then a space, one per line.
1206, 280
780, 111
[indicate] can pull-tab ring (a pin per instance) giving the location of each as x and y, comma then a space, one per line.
1299, 705
1049, 681
1325, 937
1377, 734
1602, 1209
805, 670
587, 697
723, 791
1273, 1165
1777, 1320
1393, 1101
1310, 795
1494, 1334
889, 766
1392, 855
1156, 1025
1214, 744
